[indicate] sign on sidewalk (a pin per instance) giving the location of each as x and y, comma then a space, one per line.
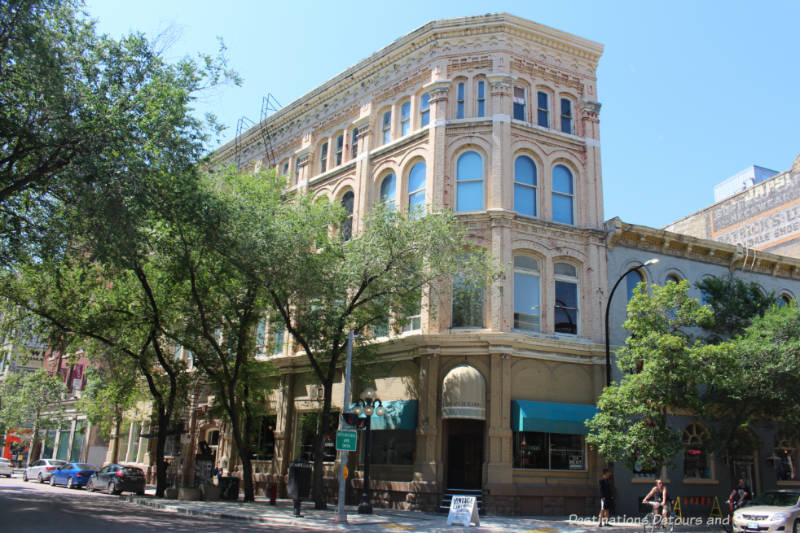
346, 440
464, 511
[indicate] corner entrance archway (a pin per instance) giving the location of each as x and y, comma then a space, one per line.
464, 415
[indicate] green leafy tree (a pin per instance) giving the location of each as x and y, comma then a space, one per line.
665, 370
31, 399
735, 303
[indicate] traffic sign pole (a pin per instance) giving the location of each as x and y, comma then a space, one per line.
341, 516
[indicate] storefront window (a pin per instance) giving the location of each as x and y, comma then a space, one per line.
696, 463
549, 451
308, 424
393, 447
786, 461
264, 439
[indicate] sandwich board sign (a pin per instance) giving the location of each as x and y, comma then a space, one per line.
463, 511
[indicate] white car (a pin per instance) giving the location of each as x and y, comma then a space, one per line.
773, 511
5, 467
41, 470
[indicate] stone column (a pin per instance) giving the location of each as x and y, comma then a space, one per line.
428, 463
500, 190
499, 466
593, 195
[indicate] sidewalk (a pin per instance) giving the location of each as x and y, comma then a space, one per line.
386, 520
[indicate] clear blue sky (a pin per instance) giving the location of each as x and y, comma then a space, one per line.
692, 92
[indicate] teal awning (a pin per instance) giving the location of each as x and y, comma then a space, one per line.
400, 414
549, 417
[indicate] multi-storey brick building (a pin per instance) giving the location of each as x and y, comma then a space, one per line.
496, 118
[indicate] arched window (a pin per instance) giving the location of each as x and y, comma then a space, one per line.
424, 109
347, 226
469, 178
388, 190
386, 127
543, 109
526, 293
784, 300
566, 304
339, 149
562, 195
674, 278
520, 102
467, 300
525, 186
632, 279
481, 100
405, 118
323, 157
354, 143
416, 189
696, 463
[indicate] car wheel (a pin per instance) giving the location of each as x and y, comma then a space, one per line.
69, 483
25, 476
90, 486
52, 481
113, 489
796, 527
41, 479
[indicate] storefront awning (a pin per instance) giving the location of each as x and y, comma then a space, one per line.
464, 394
400, 414
549, 417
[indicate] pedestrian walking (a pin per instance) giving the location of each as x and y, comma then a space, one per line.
606, 497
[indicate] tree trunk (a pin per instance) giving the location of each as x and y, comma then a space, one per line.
161, 465
115, 445
242, 442
34, 439
320, 502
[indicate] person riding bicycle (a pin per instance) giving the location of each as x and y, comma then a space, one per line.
660, 501
740, 494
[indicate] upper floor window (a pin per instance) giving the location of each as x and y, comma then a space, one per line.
354, 143
520, 101
386, 127
543, 109
469, 182
562, 195
460, 100
786, 464
416, 189
297, 170
696, 463
413, 321
323, 157
784, 300
285, 168
481, 98
339, 149
566, 115
467, 304
525, 186
632, 279
424, 109
405, 118
566, 304
388, 190
276, 329
526, 293
347, 225
260, 333
674, 278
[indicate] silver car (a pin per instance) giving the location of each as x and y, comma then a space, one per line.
774, 511
5, 467
42, 469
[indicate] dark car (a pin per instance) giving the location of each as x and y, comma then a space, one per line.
72, 475
116, 478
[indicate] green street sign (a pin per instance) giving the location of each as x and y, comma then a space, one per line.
346, 440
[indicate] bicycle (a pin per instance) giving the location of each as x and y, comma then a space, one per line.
654, 521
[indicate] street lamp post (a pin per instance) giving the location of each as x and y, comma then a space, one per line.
368, 404
608, 307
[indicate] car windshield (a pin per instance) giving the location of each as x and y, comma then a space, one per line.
84, 466
779, 499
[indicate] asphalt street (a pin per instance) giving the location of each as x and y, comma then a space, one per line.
31, 507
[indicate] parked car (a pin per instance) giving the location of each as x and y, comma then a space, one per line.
42, 469
774, 510
72, 475
116, 478
5, 467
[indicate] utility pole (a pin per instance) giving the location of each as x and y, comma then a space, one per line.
341, 516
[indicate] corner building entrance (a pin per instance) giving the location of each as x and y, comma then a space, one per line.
464, 415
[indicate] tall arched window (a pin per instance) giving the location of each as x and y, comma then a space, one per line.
632, 279
525, 186
339, 148
424, 109
388, 190
566, 304
469, 178
563, 194
696, 463
405, 118
323, 157
481, 98
526, 293
347, 226
416, 189
354, 143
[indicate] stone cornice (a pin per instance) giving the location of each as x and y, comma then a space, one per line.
428, 36
666, 242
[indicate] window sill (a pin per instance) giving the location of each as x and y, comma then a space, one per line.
518, 469
699, 481
788, 483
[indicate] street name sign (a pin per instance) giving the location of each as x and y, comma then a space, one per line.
347, 440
